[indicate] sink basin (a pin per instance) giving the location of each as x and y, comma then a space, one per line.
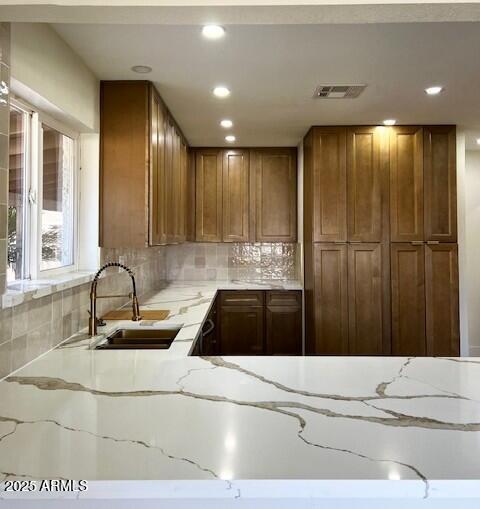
139, 339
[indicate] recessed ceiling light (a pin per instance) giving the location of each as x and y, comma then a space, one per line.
226, 123
141, 69
433, 90
213, 31
389, 121
221, 91
230, 138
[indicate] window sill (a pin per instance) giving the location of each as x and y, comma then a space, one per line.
18, 292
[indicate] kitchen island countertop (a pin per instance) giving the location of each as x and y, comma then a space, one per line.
176, 426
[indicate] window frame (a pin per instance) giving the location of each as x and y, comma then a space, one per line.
34, 190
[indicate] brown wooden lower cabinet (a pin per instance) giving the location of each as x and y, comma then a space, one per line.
366, 310
425, 313
259, 323
441, 285
408, 299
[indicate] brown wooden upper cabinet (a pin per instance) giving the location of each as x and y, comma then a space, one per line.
329, 184
208, 195
245, 195
142, 168
367, 169
406, 184
439, 145
236, 196
275, 192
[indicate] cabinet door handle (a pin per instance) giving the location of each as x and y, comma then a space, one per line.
354, 241
209, 329
430, 242
417, 242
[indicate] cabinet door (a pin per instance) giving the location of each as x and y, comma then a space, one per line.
441, 269
329, 185
284, 323
179, 187
440, 183
365, 166
330, 302
235, 196
157, 173
365, 299
408, 299
169, 181
184, 195
406, 184
208, 186
275, 207
241, 330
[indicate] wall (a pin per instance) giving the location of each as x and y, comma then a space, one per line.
472, 226
4, 127
47, 73
235, 261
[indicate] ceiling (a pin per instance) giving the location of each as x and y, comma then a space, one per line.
272, 71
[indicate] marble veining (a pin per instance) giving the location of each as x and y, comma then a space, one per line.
239, 422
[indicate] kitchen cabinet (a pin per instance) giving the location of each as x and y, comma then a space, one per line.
275, 194
383, 260
367, 313
408, 299
242, 323
406, 184
366, 162
440, 181
245, 195
329, 182
236, 196
208, 195
142, 179
258, 322
283, 326
328, 334
441, 284
157, 175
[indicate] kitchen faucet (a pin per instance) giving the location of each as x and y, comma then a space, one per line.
93, 321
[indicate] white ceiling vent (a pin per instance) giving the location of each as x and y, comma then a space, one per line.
338, 91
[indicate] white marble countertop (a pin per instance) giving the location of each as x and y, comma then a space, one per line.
180, 426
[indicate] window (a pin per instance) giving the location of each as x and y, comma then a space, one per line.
57, 200
42, 195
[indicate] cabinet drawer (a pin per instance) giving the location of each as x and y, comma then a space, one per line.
242, 298
284, 298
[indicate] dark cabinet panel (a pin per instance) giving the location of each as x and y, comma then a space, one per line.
275, 195
440, 183
329, 184
441, 269
408, 299
208, 183
242, 330
209, 340
365, 297
235, 193
330, 334
242, 298
365, 163
406, 184
284, 323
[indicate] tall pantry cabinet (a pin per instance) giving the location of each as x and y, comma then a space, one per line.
381, 272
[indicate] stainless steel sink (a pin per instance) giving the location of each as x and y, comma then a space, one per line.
139, 339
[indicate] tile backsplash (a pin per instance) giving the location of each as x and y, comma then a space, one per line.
45, 318
33, 327
235, 261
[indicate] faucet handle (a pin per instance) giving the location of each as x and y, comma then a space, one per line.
100, 322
